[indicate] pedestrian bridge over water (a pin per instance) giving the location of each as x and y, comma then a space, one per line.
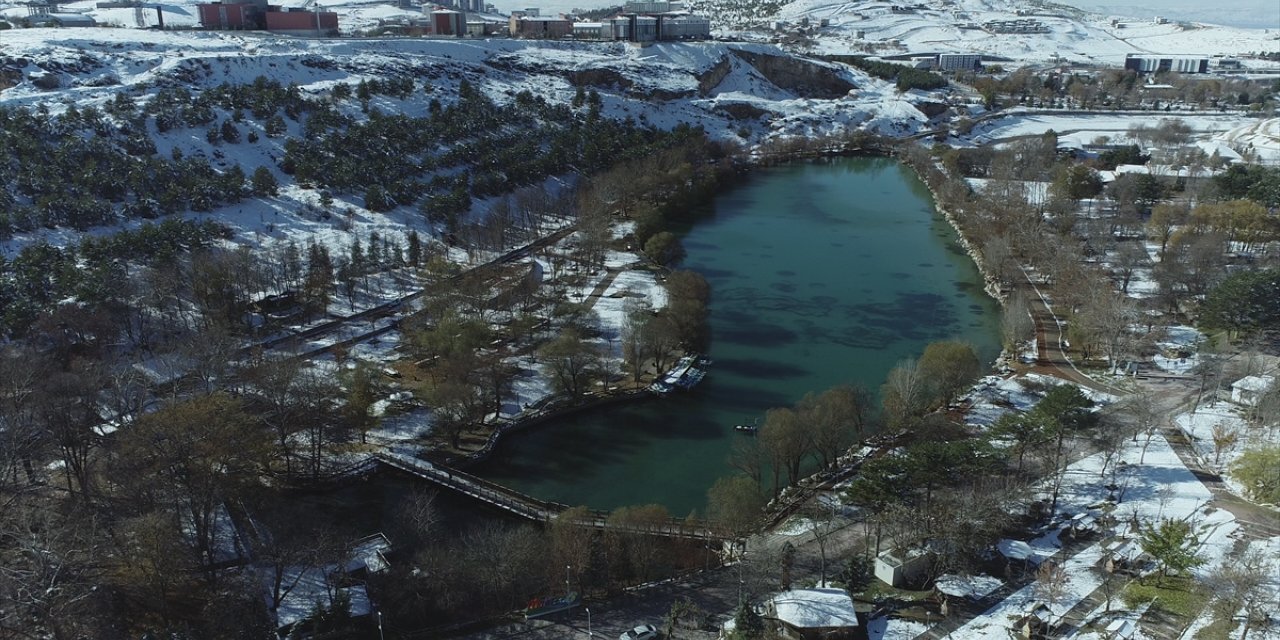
537, 510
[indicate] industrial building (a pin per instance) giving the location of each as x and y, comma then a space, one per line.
1162, 64
300, 22
482, 28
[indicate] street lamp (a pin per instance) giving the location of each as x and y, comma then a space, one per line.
566, 580
380, 637
589, 633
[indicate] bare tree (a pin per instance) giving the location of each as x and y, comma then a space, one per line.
67, 409
746, 455
1130, 257
49, 561
1240, 590
1107, 321
784, 440
905, 394
193, 457
834, 420
20, 434
1224, 437
1016, 325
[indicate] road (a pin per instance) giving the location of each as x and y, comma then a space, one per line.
1051, 342
714, 592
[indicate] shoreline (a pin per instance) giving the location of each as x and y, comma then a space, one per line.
991, 285
752, 163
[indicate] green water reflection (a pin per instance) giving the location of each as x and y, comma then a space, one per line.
821, 273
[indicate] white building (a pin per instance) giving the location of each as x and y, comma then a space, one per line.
1162, 64
959, 61
813, 613
684, 27
898, 567
1247, 391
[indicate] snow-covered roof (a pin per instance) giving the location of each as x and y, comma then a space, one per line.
367, 553
1121, 628
969, 586
815, 608
1016, 549
1210, 147
1253, 383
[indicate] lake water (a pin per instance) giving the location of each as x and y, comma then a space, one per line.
821, 273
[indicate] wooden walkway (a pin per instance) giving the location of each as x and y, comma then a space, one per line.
532, 508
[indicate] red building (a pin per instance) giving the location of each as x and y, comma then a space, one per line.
231, 16
259, 15
540, 27
448, 23
303, 23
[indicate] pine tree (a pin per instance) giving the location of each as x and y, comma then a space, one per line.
374, 252
319, 281
275, 126
415, 250
229, 132
264, 182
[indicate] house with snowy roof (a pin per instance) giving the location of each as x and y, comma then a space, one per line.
1247, 391
898, 567
810, 614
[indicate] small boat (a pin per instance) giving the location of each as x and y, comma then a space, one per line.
745, 428
661, 388
683, 375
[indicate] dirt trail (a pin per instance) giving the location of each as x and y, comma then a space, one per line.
1051, 352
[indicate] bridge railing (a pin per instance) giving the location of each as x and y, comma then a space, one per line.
543, 510
494, 493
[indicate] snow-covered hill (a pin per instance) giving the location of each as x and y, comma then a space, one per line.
746, 93
1073, 36
664, 85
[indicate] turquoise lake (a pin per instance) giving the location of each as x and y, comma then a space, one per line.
821, 273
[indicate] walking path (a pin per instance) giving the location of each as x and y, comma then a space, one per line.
1051, 350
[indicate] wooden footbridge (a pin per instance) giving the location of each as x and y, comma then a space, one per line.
537, 510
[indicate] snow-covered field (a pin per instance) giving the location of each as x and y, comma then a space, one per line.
1156, 486
1085, 128
1256, 14
1226, 423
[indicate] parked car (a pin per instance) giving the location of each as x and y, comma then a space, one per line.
642, 632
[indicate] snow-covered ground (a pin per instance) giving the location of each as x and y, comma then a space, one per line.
1086, 128
1226, 423
1257, 14
1261, 137
1156, 485
1178, 351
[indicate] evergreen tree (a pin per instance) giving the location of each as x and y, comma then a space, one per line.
415, 250
264, 182
1173, 544
229, 132
275, 126
376, 199
319, 282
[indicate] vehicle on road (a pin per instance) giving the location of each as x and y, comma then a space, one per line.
642, 632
